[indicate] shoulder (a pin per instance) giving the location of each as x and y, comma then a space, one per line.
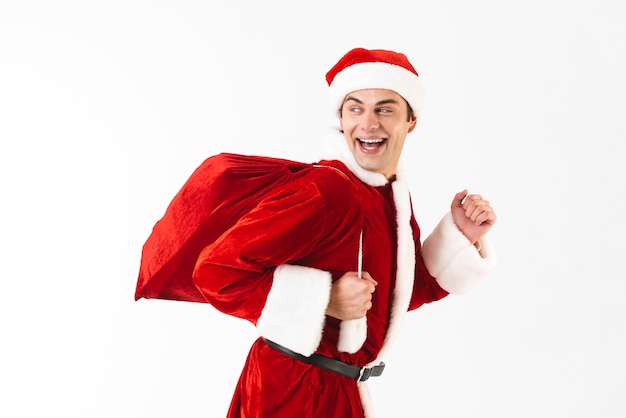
329, 188
334, 181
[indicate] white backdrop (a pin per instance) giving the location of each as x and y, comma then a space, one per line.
107, 107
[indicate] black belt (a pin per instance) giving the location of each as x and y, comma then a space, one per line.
330, 364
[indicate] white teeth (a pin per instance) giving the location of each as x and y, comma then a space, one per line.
371, 144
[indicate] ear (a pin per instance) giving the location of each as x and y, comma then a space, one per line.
412, 122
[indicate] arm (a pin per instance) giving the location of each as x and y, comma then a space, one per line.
259, 269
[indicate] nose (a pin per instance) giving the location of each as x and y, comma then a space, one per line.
370, 121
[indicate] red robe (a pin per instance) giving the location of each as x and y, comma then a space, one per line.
275, 268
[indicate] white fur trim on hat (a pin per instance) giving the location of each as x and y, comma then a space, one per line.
377, 75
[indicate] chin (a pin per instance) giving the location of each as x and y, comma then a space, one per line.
369, 166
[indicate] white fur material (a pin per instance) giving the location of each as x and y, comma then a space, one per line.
366, 399
352, 335
377, 75
405, 276
453, 260
405, 270
294, 313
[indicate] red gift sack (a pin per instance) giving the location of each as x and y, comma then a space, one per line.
222, 189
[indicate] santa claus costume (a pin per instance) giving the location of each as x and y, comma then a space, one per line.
275, 268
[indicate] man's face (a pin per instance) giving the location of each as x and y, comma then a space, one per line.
375, 123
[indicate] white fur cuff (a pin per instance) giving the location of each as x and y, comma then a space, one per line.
453, 260
295, 309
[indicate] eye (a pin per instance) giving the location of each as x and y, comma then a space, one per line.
355, 109
383, 110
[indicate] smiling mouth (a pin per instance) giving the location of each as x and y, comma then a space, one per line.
371, 144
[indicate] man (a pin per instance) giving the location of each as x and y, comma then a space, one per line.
327, 266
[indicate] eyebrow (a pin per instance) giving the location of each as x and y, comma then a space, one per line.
380, 103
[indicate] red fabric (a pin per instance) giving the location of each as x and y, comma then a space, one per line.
211, 200
361, 55
314, 221
273, 385
294, 224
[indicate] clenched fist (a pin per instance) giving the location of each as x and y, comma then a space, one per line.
351, 296
472, 214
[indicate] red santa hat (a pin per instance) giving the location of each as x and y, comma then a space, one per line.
377, 68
